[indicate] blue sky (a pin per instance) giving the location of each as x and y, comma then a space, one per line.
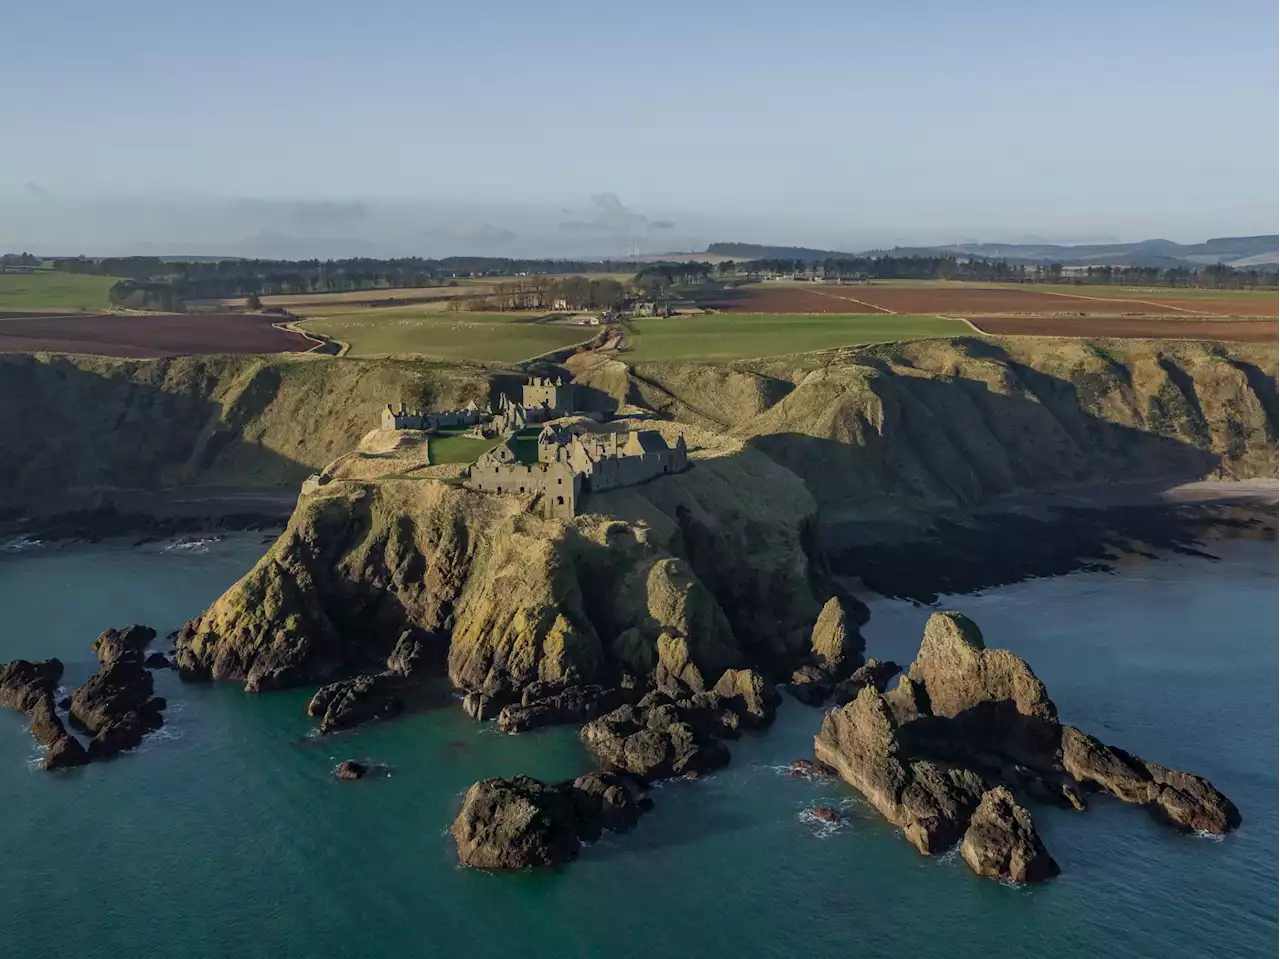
415, 127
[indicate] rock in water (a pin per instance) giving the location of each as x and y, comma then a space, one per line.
825, 815
115, 705
924, 753
29, 687
1179, 798
1001, 841
658, 742
603, 801
351, 702
112, 644
350, 769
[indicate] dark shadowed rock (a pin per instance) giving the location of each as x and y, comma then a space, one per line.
825, 814
546, 707
654, 743
809, 770
514, 823
811, 685
29, 687
871, 673
112, 644
351, 702
604, 801
350, 769
116, 707
1001, 841
1178, 798
157, 661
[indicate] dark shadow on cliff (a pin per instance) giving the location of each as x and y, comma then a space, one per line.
79, 443
950, 448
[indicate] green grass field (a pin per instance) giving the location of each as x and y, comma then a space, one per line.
487, 337
727, 336
47, 291
450, 446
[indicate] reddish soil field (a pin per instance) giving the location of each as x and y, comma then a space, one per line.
1126, 327
964, 300
782, 299
1225, 306
147, 335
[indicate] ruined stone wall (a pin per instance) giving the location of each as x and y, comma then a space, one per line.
557, 482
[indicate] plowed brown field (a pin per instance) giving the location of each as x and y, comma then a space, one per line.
785, 300
1213, 306
1153, 327
147, 335
964, 300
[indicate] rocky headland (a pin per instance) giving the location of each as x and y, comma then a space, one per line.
663, 616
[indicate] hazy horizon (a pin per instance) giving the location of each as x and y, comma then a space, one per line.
568, 130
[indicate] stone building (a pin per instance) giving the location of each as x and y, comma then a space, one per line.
557, 396
403, 419
570, 464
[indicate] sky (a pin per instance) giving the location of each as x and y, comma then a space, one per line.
508, 127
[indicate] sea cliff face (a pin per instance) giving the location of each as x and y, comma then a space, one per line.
695, 573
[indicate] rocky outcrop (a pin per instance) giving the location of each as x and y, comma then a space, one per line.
747, 693
1001, 841
871, 673
937, 756
543, 706
116, 706
835, 651
30, 688
658, 741
1179, 798
113, 644
351, 769
351, 702
519, 822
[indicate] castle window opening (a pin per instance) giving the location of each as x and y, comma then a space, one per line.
559, 500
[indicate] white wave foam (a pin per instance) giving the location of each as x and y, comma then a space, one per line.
188, 545
822, 829
20, 544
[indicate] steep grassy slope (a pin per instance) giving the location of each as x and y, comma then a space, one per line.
84, 425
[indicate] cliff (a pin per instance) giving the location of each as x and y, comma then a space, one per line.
657, 576
77, 427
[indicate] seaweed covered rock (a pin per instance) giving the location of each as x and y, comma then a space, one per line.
1001, 841
521, 821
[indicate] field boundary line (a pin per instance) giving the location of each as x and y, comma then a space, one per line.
850, 299
1115, 299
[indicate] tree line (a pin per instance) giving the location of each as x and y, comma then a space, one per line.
548, 293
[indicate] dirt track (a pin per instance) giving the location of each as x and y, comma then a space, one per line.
1150, 327
148, 335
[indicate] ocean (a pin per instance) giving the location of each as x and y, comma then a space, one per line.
225, 834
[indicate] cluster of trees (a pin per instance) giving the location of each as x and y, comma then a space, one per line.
228, 278
544, 293
656, 280
1216, 276
20, 262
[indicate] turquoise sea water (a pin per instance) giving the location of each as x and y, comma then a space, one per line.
224, 835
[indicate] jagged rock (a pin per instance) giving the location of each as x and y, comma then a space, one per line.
29, 687
930, 803
676, 669
810, 685
115, 705
604, 801
157, 661
963, 715
1179, 798
518, 822
746, 693
871, 673
351, 702
825, 814
350, 769
568, 705
112, 644
410, 655
1001, 841
652, 744
834, 643
807, 769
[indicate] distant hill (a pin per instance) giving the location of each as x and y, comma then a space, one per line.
1241, 251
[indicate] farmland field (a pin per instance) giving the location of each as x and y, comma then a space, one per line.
733, 336
46, 291
487, 337
144, 335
